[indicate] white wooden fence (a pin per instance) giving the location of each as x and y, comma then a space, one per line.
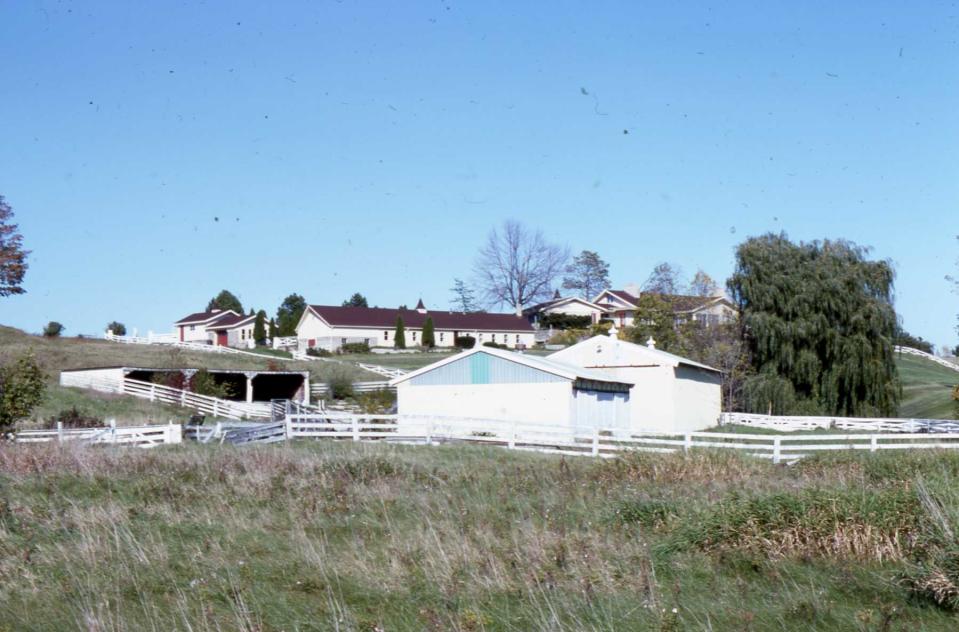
169, 340
861, 424
134, 436
158, 393
555, 439
928, 356
318, 390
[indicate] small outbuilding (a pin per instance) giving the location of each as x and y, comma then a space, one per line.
669, 393
494, 384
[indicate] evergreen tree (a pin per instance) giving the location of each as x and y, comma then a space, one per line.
818, 323
289, 313
118, 328
429, 337
399, 337
357, 300
225, 300
272, 329
259, 328
53, 329
588, 274
464, 298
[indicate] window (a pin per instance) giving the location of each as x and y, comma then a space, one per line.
414, 336
441, 336
343, 341
386, 335
517, 338
243, 334
494, 337
192, 327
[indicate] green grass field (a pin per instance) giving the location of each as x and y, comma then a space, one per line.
363, 537
57, 354
926, 389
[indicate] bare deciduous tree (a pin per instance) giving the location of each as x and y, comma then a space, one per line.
518, 266
664, 279
703, 284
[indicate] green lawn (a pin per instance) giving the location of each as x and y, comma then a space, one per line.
363, 537
408, 361
926, 388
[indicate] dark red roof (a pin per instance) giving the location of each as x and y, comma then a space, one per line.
233, 320
385, 318
202, 317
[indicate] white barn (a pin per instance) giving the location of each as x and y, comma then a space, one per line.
669, 393
493, 384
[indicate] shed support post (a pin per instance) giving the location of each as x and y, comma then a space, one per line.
249, 389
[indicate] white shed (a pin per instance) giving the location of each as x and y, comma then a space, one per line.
493, 384
669, 393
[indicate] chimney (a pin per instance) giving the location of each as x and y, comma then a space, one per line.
651, 343
420, 307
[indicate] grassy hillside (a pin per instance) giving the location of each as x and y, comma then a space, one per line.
926, 388
342, 536
57, 354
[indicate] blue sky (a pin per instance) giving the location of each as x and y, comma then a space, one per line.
156, 153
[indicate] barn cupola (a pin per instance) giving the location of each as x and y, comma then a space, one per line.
420, 307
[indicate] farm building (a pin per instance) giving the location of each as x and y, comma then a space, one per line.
249, 386
330, 327
669, 393
494, 384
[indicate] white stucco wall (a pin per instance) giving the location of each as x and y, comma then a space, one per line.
198, 333
548, 403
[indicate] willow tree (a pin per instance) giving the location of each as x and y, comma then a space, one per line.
818, 323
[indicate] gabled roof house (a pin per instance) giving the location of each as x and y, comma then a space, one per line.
216, 327
330, 327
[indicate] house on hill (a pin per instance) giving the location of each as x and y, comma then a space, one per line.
619, 307
668, 393
485, 386
225, 328
561, 312
330, 327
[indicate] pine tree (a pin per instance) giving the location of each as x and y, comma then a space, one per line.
259, 328
272, 329
399, 337
225, 300
429, 338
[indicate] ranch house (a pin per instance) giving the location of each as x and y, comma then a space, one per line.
216, 327
330, 327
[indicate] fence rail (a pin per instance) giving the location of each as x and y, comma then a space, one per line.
860, 424
168, 395
559, 440
136, 436
934, 358
321, 389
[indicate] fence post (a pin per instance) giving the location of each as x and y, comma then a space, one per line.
776, 447
429, 431
113, 430
512, 435
687, 442
356, 428
596, 441
153, 392
873, 443
288, 427
59, 432
215, 409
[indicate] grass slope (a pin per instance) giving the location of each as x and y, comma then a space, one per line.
56, 354
342, 536
926, 388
